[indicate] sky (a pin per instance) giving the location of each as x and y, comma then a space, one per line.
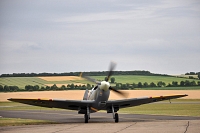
74, 35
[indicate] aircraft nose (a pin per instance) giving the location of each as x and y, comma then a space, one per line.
104, 85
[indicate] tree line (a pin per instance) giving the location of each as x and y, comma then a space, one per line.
97, 73
119, 86
7, 88
193, 73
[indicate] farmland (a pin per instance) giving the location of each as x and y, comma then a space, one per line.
137, 78
21, 82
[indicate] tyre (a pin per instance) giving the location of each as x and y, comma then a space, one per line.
116, 117
86, 118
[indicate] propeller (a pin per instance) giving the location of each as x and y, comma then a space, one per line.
119, 92
92, 80
110, 73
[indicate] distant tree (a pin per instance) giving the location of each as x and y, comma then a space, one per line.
174, 83
199, 75
182, 83
191, 77
139, 85
54, 87
1, 88
83, 87
152, 84
164, 84
29, 88
63, 87
117, 86
14, 88
198, 83
88, 86
124, 87
145, 84
160, 84
48, 88
42, 88
193, 83
6, 88
36, 88
112, 80
77, 87
169, 85
192, 73
105, 78
187, 83
128, 86
134, 85
70, 86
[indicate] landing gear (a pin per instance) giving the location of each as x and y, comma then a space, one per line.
86, 118
87, 115
116, 118
115, 115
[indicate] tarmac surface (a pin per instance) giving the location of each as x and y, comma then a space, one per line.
70, 121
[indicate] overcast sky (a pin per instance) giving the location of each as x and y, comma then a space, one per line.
75, 35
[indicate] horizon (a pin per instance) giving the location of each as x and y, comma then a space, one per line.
99, 71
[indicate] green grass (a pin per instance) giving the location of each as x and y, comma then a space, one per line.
19, 122
186, 109
177, 107
137, 78
20, 106
170, 88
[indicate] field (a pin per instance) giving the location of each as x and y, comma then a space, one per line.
136, 78
21, 82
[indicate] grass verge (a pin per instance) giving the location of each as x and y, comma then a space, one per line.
20, 122
174, 109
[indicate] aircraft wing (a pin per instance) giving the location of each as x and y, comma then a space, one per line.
55, 103
139, 101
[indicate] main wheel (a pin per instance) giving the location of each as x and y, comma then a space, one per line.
116, 117
86, 118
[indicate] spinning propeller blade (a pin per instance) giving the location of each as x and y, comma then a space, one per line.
119, 92
112, 67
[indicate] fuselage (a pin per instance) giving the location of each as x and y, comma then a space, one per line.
100, 94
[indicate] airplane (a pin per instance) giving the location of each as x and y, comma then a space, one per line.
97, 99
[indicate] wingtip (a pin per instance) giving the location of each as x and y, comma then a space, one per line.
9, 99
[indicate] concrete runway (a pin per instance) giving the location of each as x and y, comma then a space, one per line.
70, 121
